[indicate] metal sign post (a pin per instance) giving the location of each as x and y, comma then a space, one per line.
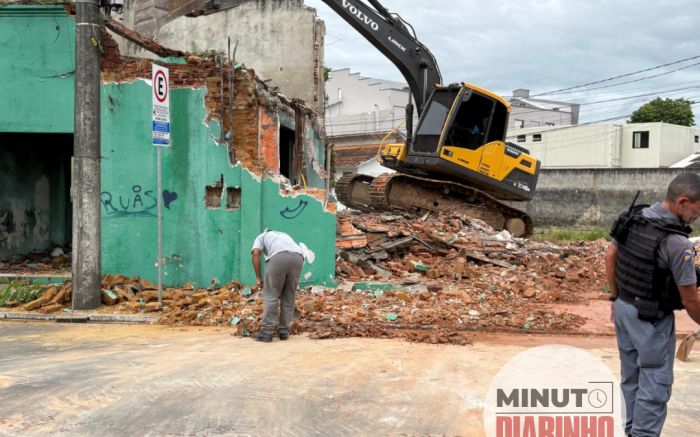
161, 138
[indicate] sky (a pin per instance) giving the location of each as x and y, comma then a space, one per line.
544, 45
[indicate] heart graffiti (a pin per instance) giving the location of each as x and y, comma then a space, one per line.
168, 198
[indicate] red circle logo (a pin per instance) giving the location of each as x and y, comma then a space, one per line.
160, 86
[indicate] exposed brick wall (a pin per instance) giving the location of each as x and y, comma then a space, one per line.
253, 118
198, 72
116, 68
245, 121
269, 139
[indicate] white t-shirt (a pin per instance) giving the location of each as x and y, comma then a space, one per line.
273, 242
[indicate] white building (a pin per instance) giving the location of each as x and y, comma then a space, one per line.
362, 110
532, 112
636, 145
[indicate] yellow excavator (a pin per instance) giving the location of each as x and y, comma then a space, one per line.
457, 159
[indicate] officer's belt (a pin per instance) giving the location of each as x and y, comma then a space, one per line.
630, 299
625, 297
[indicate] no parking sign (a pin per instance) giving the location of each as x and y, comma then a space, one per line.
161, 106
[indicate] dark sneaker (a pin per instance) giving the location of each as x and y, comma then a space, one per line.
262, 337
284, 336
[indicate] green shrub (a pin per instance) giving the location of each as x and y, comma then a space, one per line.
20, 291
571, 234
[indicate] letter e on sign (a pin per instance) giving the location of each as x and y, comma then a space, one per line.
161, 106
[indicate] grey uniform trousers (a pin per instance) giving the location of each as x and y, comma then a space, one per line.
280, 285
646, 361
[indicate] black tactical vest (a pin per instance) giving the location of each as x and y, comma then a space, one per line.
637, 273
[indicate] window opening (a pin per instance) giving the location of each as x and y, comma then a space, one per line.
233, 198
432, 121
640, 140
286, 152
470, 127
213, 193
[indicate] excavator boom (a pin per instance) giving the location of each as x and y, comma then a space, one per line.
393, 38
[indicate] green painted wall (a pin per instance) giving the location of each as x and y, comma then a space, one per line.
200, 243
36, 94
36, 69
36, 64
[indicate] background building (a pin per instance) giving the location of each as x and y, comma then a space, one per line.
532, 112
363, 110
281, 40
636, 145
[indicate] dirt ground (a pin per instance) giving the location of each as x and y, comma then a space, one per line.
59, 379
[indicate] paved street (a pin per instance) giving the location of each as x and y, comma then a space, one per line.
119, 380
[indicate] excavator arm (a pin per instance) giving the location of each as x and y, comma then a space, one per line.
395, 39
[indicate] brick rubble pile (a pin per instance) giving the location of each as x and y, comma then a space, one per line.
429, 279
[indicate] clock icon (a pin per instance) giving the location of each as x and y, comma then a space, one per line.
597, 398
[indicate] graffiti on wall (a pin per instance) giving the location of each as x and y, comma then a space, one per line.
168, 198
136, 203
291, 214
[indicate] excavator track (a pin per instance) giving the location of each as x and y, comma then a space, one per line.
400, 191
352, 190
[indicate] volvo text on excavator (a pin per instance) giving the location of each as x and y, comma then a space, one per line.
457, 158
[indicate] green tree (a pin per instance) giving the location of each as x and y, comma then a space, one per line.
672, 111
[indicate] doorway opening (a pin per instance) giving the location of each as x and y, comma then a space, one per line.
286, 152
35, 204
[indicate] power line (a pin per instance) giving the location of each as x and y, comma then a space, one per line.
641, 79
616, 77
597, 102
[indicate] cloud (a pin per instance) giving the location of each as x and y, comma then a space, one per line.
539, 45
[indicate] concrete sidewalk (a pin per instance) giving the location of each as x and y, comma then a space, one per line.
154, 380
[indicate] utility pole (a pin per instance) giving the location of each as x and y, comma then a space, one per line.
87, 220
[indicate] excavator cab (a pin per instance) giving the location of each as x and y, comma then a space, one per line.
461, 133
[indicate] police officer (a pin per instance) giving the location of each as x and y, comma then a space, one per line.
651, 273
284, 260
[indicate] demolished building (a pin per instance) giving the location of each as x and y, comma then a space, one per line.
243, 157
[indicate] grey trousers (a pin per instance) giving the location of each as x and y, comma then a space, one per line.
280, 285
646, 361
